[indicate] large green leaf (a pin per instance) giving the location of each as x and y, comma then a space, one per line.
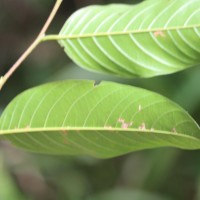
105, 120
148, 39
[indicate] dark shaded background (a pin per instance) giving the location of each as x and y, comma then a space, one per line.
164, 173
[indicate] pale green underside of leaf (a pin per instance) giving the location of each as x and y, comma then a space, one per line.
110, 119
148, 39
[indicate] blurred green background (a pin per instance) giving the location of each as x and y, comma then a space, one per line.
160, 174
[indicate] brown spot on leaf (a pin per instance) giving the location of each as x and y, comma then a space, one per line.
124, 125
159, 33
121, 120
142, 126
174, 130
64, 132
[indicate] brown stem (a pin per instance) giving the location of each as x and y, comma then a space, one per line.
4, 78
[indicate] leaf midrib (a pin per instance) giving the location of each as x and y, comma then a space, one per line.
79, 129
115, 33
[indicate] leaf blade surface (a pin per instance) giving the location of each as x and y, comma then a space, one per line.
144, 40
105, 120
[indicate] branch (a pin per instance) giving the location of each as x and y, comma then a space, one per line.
4, 78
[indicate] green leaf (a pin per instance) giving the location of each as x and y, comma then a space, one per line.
144, 40
105, 120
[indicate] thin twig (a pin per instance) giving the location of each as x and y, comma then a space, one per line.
4, 78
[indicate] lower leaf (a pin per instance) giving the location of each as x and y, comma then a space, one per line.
105, 120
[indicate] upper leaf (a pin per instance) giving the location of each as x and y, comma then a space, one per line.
148, 39
77, 117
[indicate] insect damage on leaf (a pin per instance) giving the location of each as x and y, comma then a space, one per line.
124, 124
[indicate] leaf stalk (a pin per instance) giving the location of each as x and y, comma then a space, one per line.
35, 43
